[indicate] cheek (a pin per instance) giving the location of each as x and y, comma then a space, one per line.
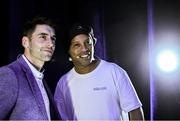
73, 52
35, 44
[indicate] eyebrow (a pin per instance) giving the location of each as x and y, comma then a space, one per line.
42, 34
45, 34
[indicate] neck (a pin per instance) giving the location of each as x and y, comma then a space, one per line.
87, 69
37, 64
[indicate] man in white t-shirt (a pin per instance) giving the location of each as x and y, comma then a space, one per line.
94, 89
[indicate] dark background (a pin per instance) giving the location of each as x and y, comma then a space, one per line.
121, 27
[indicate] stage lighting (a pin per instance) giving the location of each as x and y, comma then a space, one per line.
167, 60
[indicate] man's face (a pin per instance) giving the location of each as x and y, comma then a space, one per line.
41, 45
81, 50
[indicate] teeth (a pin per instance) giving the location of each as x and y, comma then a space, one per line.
84, 56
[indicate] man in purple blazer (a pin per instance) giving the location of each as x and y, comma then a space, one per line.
24, 94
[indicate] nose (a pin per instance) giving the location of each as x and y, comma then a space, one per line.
84, 47
51, 43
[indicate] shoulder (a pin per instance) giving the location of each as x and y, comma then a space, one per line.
6, 71
64, 78
114, 69
8, 79
62, 84
111, 65
8, 74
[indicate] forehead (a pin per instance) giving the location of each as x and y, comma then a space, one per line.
80, 37
44, 29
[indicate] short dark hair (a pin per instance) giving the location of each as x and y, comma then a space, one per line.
30, 25
79, 28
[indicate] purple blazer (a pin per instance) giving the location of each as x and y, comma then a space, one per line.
20, 97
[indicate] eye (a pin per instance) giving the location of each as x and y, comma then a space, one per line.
76, 45
43, 36
53, 38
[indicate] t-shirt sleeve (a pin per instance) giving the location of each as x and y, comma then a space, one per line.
60, 100
127, 95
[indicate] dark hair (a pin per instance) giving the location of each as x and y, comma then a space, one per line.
30, 25
79, 28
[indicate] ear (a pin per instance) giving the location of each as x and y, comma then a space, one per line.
25, 42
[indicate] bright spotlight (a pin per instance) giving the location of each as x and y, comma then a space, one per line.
167, 60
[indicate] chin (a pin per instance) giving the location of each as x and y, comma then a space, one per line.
86, 63
47, 58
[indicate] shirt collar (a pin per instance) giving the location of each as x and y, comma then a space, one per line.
36, 73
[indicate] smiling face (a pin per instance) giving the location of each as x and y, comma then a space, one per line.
40, 47
81, 50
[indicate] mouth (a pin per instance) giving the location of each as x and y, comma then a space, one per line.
85, 56
48, 51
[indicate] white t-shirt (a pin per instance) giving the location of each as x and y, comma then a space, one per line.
99, 95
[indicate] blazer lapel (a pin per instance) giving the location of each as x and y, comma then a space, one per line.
34, 86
